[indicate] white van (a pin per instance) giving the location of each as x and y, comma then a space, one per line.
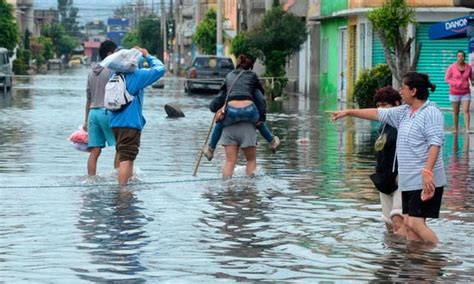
5, 70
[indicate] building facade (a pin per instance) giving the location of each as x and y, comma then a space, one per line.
359, 48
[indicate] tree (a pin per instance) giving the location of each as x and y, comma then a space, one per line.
9, 35
391, 23
277, 36
369, 82
63, 44
206, 33
68, 18
48, 50
131, 39
149, 35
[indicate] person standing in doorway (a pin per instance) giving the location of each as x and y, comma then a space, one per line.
421, 176
96, 121
458, 76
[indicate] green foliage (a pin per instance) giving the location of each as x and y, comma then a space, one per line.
67, 44
20, 65
62, 43
241, 45
369, 81
389, 18
149, 35
48, 50
9, 35
278, 36
41, 50
26, 39
68, 16
55, 32
131, 39
206, 33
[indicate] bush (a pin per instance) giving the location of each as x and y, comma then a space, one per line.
369, 81
19, 67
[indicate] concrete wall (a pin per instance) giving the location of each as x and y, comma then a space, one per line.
412, 3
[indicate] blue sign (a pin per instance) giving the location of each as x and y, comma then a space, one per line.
449, 29
117, 21
116, 37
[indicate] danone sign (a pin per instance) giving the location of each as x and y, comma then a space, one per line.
452, 28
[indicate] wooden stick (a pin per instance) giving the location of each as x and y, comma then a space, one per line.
205, 143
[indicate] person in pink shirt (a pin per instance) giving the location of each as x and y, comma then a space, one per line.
458, 76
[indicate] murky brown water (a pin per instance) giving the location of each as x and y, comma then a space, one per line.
312, 214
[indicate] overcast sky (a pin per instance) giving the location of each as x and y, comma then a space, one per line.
90, 10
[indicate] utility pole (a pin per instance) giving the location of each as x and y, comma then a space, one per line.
219, 45
176, 37
164, 33
268, 5
181, 33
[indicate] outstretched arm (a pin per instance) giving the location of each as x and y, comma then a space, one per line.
366, 113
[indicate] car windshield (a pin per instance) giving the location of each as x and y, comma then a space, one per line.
3, 58
213, 62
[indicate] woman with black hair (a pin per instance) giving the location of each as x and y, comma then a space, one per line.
458, 76
421, 176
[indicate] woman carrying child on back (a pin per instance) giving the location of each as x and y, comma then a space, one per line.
241, 99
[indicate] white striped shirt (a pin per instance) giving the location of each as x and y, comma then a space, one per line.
416, 133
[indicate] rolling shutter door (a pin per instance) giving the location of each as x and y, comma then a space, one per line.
435, 58
377, 51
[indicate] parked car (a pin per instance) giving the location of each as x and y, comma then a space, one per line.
6, 72
207, 73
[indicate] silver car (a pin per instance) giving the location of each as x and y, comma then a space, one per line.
207, 73
5, 70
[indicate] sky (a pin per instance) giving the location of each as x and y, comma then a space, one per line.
90, 10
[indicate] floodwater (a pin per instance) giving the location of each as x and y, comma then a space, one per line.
310, 215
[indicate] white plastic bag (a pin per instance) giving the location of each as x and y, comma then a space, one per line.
123, 61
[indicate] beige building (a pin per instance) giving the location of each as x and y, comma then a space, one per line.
23, 14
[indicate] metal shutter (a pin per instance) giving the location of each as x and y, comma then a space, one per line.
435, 58
377, 51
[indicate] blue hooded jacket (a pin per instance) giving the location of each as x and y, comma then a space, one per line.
132, 115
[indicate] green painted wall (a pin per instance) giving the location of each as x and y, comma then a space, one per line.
329, 72
331, 6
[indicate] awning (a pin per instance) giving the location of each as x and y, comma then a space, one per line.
450, 29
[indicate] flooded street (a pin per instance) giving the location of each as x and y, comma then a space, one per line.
311, 214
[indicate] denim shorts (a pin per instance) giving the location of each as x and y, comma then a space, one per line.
459, 98
241, 114
98, 129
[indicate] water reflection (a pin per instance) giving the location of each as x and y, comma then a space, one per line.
14, 130
412, 262
239, 209
113, 234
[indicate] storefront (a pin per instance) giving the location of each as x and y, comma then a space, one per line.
441, 41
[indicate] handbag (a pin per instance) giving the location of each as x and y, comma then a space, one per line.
220, 113
385, 182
